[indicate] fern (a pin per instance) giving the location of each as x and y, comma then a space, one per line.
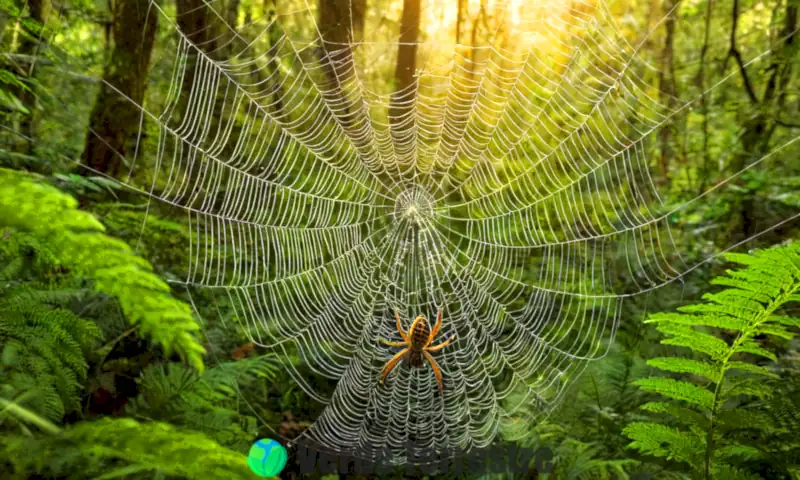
119, 448
43, 349
77, 240
208, 403
703, 424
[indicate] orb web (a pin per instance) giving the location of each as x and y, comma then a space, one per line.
501, 187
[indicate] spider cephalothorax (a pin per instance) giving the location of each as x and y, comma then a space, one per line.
417, 346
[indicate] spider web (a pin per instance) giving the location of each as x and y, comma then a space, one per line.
513, 174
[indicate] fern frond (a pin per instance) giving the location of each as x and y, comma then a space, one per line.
708, 320
748, 308
685, 365
43, 352
125, 448
751, 368
754, 349
207, 402
683, 415
678, 390
78, 240
663, 441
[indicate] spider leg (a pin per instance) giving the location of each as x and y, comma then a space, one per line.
440, 346
436, 370
393, 344
391, 364
400, 327
435, 329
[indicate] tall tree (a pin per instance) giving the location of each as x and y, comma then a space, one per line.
29, 47
193, 18
405, 69
701, 86
341, 22
116, 117
666, 82
268, 76
460, 13
765, 113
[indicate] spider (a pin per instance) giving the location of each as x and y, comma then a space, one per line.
416, 343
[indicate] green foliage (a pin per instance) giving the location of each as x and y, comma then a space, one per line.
42, 345
207, 403
727, 333
120, 448
78, 241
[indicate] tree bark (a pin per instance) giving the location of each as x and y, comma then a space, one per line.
29, 47
462, 7
666, 81
272, 67
115, 119
761, 124
405, 69
194, 22
341, 22
701, 86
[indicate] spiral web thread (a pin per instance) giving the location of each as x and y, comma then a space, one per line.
497, 196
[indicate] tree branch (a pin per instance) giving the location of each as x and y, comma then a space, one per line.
734, 52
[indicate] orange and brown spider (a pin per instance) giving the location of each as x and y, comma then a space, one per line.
417, 345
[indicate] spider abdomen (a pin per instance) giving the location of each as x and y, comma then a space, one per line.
415, 359
419, 336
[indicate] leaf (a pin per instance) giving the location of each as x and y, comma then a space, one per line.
709, 320
681, 414
752, 368
785, 320
703, 343
686, 365
663, 441
755, 349
749, 300
775, 330
678, 390
751, 386
81, 245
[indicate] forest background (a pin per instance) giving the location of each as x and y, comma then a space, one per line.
94, 383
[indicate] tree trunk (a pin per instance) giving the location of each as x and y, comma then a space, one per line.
462, 7
29, 47
405, 69
339, 29
666, 81
232, 19
194, 22
272, 67
760, 126
115, 119
701, 86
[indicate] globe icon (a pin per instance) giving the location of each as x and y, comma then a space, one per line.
267, 457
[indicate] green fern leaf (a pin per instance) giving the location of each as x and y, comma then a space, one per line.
751, 368
771, 279
678, 390
119, 447
77, 238
686, 365
684, 415
702, 343
753, 387
708, 320
755, 349
775, 330
663, 441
